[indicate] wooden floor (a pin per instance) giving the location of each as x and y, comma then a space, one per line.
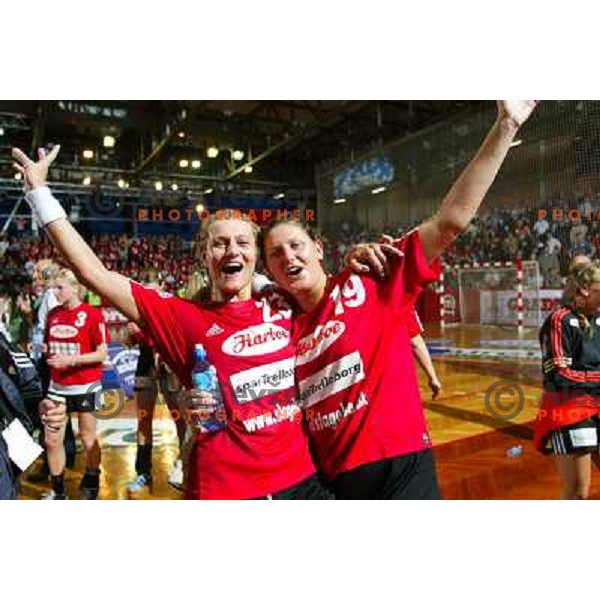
471, 439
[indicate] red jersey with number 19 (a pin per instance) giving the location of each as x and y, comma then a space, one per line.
355, 367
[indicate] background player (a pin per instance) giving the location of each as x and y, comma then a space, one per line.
76, 340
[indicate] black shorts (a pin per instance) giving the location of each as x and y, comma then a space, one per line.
309, 489
579, 438
145, 363
144, 371
83, 403
408, 477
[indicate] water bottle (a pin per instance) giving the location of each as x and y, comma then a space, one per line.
514, 451
210, 415
37, 343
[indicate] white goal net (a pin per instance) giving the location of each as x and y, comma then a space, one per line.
488, 295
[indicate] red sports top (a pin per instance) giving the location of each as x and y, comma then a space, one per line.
75, 331
355, 365
415, 326
264, 448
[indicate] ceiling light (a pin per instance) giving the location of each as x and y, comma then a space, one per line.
278, 196
248, 169
18, 176
109, 141
183, 163
181, 134
237, 155
1, 130
121, 183
87, 180
212, 152
158, 186
174, 187
208, 191
199, 207
516, 143
378, 190
196, 164
88, 154
339, 200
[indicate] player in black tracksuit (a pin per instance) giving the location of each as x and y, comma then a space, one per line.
568, 424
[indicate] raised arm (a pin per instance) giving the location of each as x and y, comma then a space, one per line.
465, 196
81, 258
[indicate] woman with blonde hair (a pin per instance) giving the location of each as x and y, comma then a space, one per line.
567, 423
43, 279
259, 448
76, 339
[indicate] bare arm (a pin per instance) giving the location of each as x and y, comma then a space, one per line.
98, 355
81, 258
88, 268
62, 361
424, 359
465, 196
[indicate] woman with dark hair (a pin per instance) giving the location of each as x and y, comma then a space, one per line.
354, 365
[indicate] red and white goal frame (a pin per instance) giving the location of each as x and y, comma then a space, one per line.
494, 293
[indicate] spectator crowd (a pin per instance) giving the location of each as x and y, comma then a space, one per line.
499, 235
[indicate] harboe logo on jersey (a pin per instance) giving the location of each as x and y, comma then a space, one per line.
63, 332
313, 345
254, 341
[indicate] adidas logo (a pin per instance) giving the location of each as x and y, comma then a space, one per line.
214, 330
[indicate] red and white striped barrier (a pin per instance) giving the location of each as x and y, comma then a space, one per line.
485, 265
520, 305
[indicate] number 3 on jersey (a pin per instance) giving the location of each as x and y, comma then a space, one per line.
81, 317
350, 296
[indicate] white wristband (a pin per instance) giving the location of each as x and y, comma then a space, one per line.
46, 208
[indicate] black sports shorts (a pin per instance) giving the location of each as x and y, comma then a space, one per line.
408, 477
579, 438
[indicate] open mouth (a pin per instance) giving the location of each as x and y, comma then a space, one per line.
232, 269
293, 271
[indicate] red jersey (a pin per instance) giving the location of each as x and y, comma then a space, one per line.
141, 338
355, 365
75, 331
415, 327
264, 448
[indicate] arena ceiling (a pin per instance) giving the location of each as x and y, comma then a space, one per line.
282, 141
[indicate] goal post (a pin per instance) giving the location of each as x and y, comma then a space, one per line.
501, 294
